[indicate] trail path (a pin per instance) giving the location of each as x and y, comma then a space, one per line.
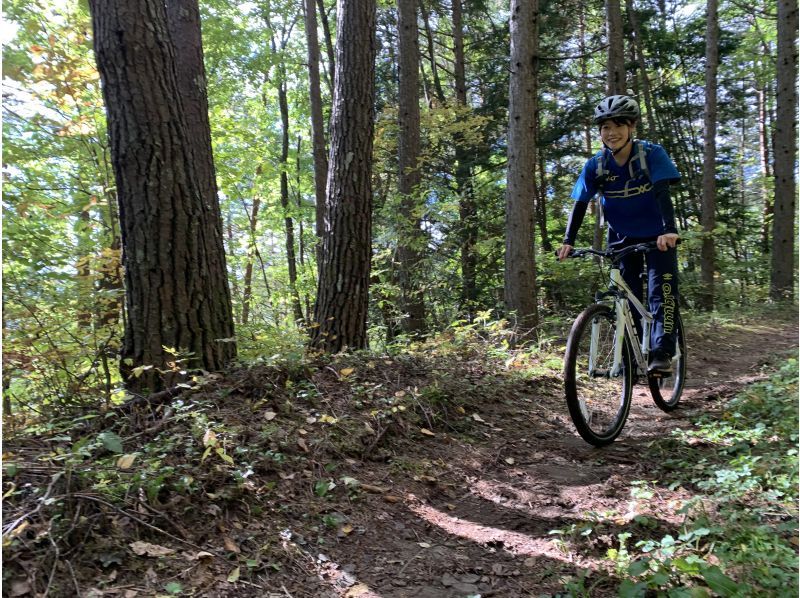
470, 518
464, 510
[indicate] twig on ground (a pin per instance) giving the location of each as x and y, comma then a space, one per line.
148, 525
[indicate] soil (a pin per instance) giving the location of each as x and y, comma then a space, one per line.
463, 505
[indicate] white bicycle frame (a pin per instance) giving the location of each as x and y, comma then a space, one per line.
624, 325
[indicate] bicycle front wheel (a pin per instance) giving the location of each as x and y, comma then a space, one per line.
598, 396
667, 390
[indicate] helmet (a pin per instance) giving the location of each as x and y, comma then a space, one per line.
616, 107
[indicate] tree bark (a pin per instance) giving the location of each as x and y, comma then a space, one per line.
520, 258
175, 278
317, 120
709, 204
340, 312
288, 222
615, 81
783, 231
410, 239
326, 29
467, 211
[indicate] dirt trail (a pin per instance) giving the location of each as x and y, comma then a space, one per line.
473, 517
465, 510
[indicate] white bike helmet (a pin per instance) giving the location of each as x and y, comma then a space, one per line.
616, 107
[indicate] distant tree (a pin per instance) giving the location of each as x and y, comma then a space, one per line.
520, 259
708, 214
317, 120
615, 74
176, 285
340, 311
410, 238
783, 231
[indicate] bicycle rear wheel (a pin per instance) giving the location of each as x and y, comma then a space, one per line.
667, 390
598, 398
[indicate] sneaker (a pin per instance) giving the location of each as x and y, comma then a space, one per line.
660, 362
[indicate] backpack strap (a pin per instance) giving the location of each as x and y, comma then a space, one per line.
640, 150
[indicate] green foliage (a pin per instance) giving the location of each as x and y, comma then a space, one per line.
740, 526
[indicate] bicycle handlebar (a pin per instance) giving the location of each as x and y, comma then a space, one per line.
614, 254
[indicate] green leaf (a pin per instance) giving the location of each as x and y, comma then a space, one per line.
111, 441
629, 589
719, 582
638, 567
173, 587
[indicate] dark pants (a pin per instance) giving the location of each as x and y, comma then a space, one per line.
662, 286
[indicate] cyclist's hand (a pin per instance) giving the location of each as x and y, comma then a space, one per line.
563, 252
664, 242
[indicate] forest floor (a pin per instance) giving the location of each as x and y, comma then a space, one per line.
440, 473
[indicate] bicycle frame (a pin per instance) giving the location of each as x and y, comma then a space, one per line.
626, 325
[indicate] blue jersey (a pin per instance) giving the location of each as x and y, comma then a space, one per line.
629, 203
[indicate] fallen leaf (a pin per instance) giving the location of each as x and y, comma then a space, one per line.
461, 410
478, 418
302, 444
427, 432
311, 420
423, 545
147, 549
369, 428
203, 555
373, 489
328, 419
400, 394
358, 590
231, 545
209, 438
510, 460
126, 461
20, 588
233, 576
345, 372
270, 415
391, 498
346, 529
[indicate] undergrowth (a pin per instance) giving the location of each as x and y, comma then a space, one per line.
739, 535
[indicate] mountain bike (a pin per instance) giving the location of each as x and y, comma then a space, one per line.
605, 356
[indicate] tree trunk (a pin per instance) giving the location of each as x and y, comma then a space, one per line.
340, 312
783, 231
638, 49
326, 29
467, 211
317, 121
288, 222
175, 277
431, 54
520, 258
709, 206
410, 239
247, 293
615, 76
766, 171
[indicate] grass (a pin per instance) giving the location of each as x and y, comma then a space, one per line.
739, 533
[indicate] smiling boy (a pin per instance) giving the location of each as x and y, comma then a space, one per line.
633, 178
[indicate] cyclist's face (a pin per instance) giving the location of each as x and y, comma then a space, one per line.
615, 135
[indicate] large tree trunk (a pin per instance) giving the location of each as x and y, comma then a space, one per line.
708, 214
783, 231
410, 239
467, 211
175, 278
520, 259
317, 120
340, 312
615, 76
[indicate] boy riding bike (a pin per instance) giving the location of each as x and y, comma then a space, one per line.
633, 178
